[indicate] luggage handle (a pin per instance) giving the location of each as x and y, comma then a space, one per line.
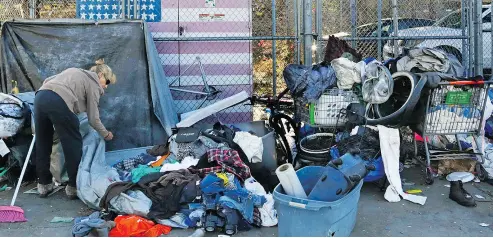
295, 204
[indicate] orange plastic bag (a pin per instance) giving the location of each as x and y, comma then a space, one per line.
158, 230
135, 226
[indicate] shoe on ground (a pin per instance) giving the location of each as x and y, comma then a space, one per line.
45, 189
460, 195
71, 192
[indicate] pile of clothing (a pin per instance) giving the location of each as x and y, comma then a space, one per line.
331, 86
198, 179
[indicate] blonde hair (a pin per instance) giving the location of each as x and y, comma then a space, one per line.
100, 67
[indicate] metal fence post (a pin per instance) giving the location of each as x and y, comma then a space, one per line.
32, 9
307, 32
297, 29
318, 27
470, 21
478, 38
274, 50
396, 25
379, 31
465, 51
353, 21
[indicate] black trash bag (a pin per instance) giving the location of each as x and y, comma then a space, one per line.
368, 144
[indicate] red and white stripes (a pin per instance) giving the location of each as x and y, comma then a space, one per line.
227, 64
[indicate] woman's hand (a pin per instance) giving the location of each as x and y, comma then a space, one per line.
109, 136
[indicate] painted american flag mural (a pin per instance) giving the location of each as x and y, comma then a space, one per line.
149, 10
227, 64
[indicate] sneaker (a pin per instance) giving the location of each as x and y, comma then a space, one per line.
45, 189
71, 192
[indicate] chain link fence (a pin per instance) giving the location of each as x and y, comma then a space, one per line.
213, 49
383, 29
13, 9
10, 9
228, 47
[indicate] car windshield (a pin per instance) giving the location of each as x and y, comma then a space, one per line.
453, 20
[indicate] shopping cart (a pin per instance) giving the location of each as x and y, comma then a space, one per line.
455, 109
328, 111
327, 114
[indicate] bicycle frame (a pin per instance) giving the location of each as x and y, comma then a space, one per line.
208, 94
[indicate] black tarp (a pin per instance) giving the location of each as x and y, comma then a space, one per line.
138, 109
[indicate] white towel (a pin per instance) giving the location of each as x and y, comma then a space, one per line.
389, 145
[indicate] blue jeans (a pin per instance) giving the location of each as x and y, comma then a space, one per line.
240, 199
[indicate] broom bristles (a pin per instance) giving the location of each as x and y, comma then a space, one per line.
11, 214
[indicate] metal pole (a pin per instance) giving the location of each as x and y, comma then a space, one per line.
297, 29
32, 9
470, 34
491, 46
478, 45
341, 8
122, 8
379, 41
464, 33
135, 9
274, 62
353, 21
307, 31
128, 9
318, 26
396, 25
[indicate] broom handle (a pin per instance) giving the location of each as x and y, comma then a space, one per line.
26, 161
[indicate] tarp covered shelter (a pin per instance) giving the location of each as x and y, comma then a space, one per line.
138, 109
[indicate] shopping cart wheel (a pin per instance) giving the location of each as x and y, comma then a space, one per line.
481, 172
429, 177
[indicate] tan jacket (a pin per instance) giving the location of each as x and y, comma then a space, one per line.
80, 92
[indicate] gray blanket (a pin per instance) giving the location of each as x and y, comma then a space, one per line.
95, 175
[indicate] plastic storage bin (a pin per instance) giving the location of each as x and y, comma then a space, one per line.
304, 217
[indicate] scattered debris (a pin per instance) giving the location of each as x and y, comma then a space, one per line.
476, 180
25, 183
409, 184
483, 190
443, 194
484, 224
447, 185
5, 188
414, 191
62, 220
479, 196
35, 190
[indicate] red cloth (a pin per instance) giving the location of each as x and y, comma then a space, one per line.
158, 230
135, 226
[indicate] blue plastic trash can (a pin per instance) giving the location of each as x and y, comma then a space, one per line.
305, 217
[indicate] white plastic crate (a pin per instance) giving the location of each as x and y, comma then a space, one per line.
327, 111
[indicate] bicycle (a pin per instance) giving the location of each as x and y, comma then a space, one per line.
278, 105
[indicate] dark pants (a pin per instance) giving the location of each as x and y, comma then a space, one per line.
51, 111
